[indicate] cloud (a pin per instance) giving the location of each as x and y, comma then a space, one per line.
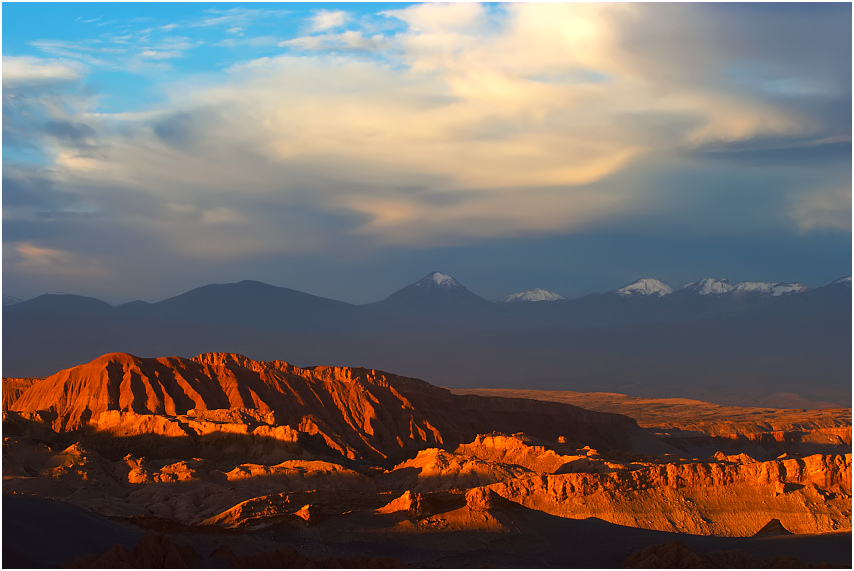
350, 40
222, 215
33, 259
28, 70
155, 54
826, 209
440, 18
176, 130
254, 42
237, 17
470, 123
328, 19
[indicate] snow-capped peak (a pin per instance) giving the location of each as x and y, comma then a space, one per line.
840, 281
646, 286
760, 287
776, 289
10, 300
438, 279
708, 286
535, 294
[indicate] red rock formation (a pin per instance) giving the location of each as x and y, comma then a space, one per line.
358, 412
14, 388
808, 495
701, 428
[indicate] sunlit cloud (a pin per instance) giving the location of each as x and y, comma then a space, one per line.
560, 108
27, 70
436, 125
328, 19
35, 259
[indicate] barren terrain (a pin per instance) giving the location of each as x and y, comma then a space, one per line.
225, 461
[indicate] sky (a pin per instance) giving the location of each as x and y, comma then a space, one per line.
349, 149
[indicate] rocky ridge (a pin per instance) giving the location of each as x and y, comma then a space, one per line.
360, 413
224, 444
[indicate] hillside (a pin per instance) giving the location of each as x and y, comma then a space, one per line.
360, 413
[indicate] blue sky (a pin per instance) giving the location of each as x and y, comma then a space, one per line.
348, 149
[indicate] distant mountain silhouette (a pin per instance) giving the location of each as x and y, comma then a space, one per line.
713, 346
62, 303
434, 292
249, 303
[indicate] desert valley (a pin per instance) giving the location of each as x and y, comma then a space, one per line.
222, 460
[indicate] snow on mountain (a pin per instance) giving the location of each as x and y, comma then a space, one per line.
707, 286
646, 286
436, 292
535, 294
775, 289
438, 279
782, 289
10, 300
759, 287
846, 280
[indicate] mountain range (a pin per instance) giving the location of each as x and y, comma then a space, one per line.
764, 342
439, 286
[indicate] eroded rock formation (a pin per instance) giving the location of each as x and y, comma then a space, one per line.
224, 444
360, 413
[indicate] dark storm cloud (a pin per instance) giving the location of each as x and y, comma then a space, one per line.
176, 130
32, 192
780, 151
70, 132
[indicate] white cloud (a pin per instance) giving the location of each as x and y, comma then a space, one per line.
254, 42
328, 19
27, 70
154, 54
474, 122
350, 40
440, 17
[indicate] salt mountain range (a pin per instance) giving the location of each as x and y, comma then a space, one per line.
768, 342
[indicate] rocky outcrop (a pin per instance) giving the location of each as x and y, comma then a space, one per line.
808, 495
411, 503
699, 429
359, 413
13, 388
437, 470
503, 449
771, 529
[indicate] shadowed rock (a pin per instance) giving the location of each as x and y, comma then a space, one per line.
772, 528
